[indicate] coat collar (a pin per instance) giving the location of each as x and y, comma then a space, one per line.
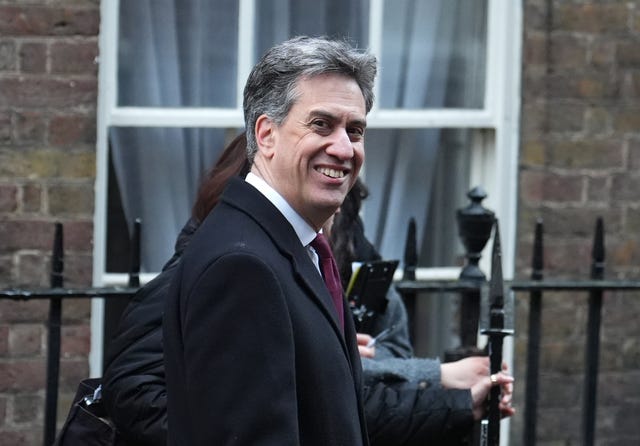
250, 201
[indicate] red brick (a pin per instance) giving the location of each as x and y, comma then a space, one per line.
578, 222
568, 51
535, 49
76, 341
30, 127
33, 57
532, 186
76, 311
634, 80
8, 57
598, 121
74, 57
23, 311
565, 117
634, 154
78, 235
592, 153
32, 270
534, 119
627, 53
6, 137
48, 21
72, 130
4, 344
23, 436
72, 371
71, 199
7, 272
536, 17
627, 120
625, 187
32, 197
591, 18
27, 408
603, 52
3, 411
598, 189
26, 234
48, 92
562, 188
23, 375
26, 340
583, 85
35, 164
8, 198
79, 268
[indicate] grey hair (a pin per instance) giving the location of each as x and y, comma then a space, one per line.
271, 87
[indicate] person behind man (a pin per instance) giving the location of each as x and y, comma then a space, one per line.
443, 417
256, 351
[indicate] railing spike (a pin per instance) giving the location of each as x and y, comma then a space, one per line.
134, 268
410, 252
57, 257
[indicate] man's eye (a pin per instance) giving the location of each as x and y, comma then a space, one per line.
356, 132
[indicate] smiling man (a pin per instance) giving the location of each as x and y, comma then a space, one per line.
256, 349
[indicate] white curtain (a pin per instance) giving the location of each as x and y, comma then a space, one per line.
430, 59
171, 53
183, 53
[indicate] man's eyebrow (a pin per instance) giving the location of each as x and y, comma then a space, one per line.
331, 117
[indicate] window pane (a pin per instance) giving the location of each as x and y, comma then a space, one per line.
157, 172
433, 54
420, 174
278, 20
178, 53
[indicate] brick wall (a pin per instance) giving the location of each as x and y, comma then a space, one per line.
48, 89
579, 159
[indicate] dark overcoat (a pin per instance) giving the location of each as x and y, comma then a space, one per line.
253, 352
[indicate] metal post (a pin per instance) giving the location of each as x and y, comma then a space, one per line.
593, 339
53, 350
134, 267
497, 330
474, 227
533, 347
409, 273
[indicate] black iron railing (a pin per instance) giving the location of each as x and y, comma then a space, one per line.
56, 294
475, 224
473, 284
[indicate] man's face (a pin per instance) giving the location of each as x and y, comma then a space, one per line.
315, 156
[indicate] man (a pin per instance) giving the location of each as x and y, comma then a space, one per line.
256, 351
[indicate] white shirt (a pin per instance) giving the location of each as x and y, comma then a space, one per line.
303, 230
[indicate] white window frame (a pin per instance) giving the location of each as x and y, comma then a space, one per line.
494, 162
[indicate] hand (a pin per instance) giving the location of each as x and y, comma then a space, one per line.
473, 373
363, 341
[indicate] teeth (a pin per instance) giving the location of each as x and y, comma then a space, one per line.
331, 172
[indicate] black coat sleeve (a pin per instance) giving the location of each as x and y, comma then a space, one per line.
134, 385
406, 413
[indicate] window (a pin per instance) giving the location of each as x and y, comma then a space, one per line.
170, 96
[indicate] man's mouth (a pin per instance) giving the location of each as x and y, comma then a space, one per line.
332, 173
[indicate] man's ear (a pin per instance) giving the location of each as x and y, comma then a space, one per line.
265, 135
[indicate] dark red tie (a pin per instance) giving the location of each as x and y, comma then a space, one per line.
330, 273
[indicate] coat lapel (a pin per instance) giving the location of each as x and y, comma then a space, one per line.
249, 200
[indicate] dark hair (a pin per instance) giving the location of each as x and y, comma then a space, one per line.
232, 161
271, 87
347, 238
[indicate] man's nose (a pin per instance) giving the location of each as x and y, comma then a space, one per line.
341, 146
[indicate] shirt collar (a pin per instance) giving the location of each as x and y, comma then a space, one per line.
303, 230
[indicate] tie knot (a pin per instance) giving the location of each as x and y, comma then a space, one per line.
321, 245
